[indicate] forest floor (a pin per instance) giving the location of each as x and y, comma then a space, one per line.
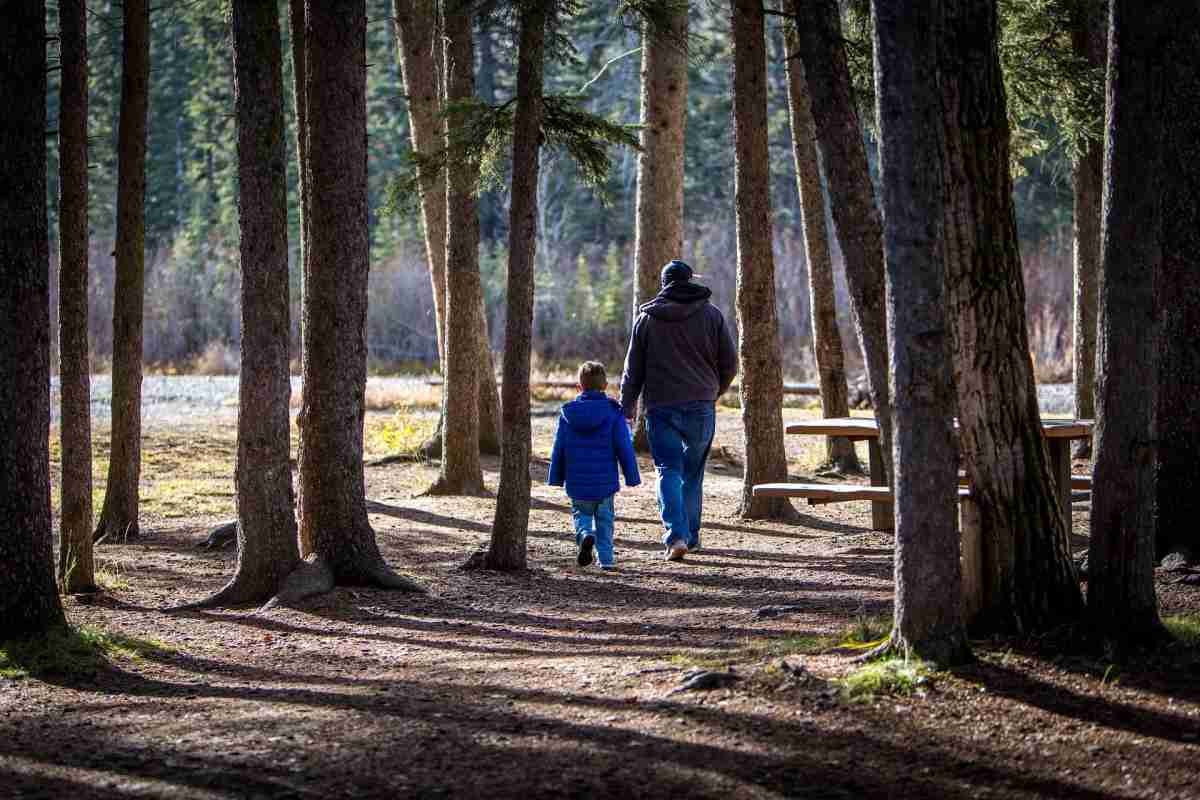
560, 682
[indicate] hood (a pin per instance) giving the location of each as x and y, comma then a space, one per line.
589, 411
677, 302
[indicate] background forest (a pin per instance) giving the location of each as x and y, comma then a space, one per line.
585, 248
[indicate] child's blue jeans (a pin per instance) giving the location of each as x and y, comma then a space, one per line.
595, 517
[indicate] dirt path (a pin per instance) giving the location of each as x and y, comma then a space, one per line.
558, 682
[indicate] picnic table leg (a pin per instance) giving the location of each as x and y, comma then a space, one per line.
1060, 467
882, 514
971, 548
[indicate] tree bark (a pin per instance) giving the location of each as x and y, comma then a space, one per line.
29, 603
335, 307
119, 515
510, 527
420, 40
827, 339
268, 550
1121, 598
1178, 475
659, 221
421, 51
1029, 581
1087, 42
461, 472
928, 623
856, 217
299, 95
76, 569
761, 383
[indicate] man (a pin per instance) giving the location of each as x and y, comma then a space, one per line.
681, 359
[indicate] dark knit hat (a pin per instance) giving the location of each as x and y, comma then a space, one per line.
677, 272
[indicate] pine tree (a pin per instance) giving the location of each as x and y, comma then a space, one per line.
334, 513
76, 571
928, 622
119, 515
266, 531
29, 604
761, 381
1029, 580
510, 526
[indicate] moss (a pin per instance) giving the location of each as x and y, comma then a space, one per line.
1185, 628
71, 651
887, 677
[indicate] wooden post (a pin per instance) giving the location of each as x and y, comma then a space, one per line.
972, 560
1060, 466
883, 516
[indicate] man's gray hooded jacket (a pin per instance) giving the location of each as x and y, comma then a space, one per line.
680, 351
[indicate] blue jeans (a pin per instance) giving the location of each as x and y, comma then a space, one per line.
596, 518
680, 438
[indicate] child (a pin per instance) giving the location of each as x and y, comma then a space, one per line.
592, 437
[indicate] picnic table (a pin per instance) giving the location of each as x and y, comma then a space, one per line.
1059, 434
805, 389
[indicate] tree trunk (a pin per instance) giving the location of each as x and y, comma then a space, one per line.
1139, 196
421, 52
1029, 581
659, 222
1178, 475
490, 440
267, 545
928, 623
335, 307
761, 382
299, 94
29, 603
827, 339
119, 515
856, 217
76, 570
420, 40
461, 472
1087, 41
510, 527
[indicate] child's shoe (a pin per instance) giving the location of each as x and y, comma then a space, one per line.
585, 550
608, 567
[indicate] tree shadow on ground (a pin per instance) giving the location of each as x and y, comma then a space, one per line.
1057, 699
442, 737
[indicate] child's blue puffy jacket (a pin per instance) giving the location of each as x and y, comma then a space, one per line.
592, 437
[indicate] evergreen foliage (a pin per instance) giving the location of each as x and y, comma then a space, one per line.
592, 90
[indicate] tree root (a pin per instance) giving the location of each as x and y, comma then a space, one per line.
238, 592
443, 488
397, 458
888, 648
311, 578
431, 448
476, 561
104, 534
941, 654
316, 576
382, 576
779, 509
482, 560
220, 537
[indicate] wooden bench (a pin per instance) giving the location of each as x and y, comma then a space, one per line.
1079, 483
820, 493
804, 389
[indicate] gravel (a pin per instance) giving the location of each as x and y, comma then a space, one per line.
182, 400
